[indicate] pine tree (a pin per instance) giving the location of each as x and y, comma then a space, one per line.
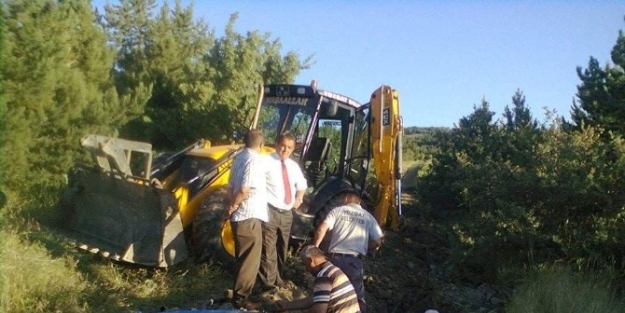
182, 79
55, 71
127, 25
601, 95
198, 86
521, 132
3, 132
519, 116
241, 62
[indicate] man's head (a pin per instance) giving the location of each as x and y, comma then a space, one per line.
312, 257
351, 197
286, 145
253, 139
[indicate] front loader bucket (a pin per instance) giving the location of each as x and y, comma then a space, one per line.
123, 219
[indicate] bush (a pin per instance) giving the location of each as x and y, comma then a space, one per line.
518, 195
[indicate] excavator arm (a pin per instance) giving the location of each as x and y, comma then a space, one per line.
386, 134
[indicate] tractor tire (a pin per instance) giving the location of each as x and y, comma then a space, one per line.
206, 231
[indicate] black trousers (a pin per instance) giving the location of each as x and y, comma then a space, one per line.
276, 234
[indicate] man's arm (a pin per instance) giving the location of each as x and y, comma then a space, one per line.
246, 186
320, 233
374, 245
303, 304
321, 307
238, 198
299, 304
299, 198
301, 184
376, 235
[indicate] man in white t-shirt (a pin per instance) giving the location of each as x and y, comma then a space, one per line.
354, 232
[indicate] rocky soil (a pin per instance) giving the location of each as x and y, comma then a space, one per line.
409, 275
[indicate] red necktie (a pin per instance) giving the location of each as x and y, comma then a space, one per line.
287, 185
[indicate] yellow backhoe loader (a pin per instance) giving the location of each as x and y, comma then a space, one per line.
158, 211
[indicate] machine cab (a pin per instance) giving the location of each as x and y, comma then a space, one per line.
338, 143
324, 124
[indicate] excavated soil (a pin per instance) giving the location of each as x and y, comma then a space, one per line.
405, 275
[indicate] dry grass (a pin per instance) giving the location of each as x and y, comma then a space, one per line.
557, 290
34, 281
40, 272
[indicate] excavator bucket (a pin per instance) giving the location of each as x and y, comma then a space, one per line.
123, 220
118, 210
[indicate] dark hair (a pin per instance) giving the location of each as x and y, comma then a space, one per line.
253, 138
286, 136
351, 196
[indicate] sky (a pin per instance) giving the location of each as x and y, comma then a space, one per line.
443, 57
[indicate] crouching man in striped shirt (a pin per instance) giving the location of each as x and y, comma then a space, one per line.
332, 291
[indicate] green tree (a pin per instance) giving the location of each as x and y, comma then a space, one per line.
182, 77
55, 78
601, 94
128, 27
2, 101
515, 192
521, 132
519, 116
185, 82
472, 141
241, 62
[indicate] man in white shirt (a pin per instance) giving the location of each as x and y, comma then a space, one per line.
286, 186
247, 211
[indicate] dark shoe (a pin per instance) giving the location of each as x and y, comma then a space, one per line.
280, 283
260, 289
246, 305
265, 291
270, 288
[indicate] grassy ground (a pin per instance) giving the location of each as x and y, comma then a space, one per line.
40, 272
35, 279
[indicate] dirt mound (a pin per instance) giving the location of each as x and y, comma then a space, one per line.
407, 274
